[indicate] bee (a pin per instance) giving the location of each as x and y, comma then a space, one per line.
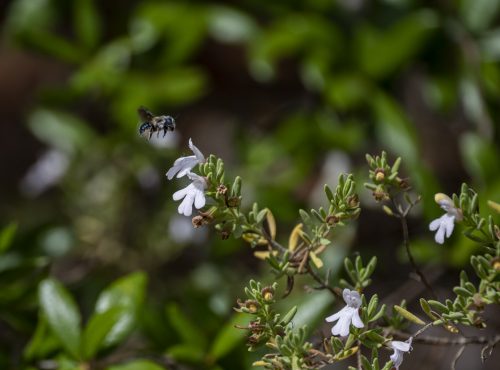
152, 123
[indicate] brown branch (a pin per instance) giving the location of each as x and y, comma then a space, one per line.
444, 341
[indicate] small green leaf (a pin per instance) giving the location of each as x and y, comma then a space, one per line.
62, 314
289, 316
408, 315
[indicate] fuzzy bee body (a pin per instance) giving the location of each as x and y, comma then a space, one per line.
152, 123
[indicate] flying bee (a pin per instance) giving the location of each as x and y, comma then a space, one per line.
152, 123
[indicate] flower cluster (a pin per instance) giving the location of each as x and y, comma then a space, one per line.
194, 193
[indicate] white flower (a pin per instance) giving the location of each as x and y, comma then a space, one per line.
194, 193
445, 224
400, 348
349, 314
183, 165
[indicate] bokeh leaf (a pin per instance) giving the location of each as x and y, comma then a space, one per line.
229, 336
137, 365
379, 53
98, 327
126, 293
87, 23
62, 314
6, 236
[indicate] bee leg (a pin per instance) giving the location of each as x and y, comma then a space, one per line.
164, 131
150, 134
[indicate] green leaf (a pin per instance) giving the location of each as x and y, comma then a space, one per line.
62, 314
137, 365
60, 130
6, 236
98, 327
379, 53
229, 337
87, 23
128, 294
479, 14
185, 327
408, 315
42, 343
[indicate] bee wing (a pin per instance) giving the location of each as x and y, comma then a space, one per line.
145, 114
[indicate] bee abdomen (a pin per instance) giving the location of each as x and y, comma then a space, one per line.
145, 127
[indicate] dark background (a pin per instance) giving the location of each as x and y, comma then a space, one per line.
288, 93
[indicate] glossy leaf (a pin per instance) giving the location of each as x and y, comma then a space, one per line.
62, 314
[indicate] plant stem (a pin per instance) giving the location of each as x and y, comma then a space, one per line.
406, 242
320, 281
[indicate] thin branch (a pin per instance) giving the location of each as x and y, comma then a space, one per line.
358, 357
444, 341
322, 284
406, 241
457, 357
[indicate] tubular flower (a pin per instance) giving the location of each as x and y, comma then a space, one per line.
183, 165
400, 348
446, 223
193, 194
349, 314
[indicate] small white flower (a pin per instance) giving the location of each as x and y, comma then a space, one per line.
445, 224
400, 348
183, 165
349, 314
193, 194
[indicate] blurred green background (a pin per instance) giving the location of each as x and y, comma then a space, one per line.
288, 93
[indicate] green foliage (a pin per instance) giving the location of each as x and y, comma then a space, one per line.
59, 327
302, 83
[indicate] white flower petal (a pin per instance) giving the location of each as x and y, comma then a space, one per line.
397, 359
401, 346
345, 322
439, 237
186, 206
449, 224
199, 200
179, 194
434, 225
337, 315
196, 151
356, 320
183, 165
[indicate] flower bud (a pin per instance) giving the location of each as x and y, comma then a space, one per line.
197, 221
268, 293
379, 194
332, 220
379, 175
353, 201
495, 263
221, 189
252, 305
233, 202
